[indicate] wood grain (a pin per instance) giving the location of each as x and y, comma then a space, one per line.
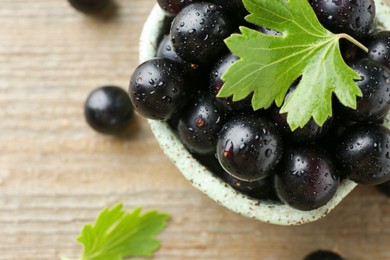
56, 174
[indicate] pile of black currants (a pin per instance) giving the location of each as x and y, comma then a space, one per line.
255, 151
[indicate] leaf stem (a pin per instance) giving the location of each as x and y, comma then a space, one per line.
353, 40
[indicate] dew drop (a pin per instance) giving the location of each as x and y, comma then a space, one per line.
358, 22
166, 99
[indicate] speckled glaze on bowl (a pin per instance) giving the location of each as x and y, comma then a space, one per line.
203, 179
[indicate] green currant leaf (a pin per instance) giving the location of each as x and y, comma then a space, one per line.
268, 65
117, 234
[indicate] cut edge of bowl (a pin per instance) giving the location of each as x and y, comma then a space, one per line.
204, 180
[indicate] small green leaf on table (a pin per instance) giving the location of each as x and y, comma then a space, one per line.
117, 234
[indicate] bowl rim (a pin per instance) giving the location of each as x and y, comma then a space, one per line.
205, 181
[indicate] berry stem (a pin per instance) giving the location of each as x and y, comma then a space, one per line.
353, 40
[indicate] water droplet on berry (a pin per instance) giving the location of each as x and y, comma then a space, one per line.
268, 153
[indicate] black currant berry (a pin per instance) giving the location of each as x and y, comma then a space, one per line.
166, 50
198, 32
216, 83
375, 86
249, 147
323, 255
89, 6
219, 68
211, 163
172, 7
158, 89
379, 47
345, 16
200, 123
384, 188
195, 74
363, 152
309, 133
259, 189
108, 110
235, 9
307, 177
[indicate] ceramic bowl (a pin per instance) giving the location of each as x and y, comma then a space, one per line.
202, 179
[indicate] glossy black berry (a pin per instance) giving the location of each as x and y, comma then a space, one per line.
165, 50
196, 74
249, 147
172, 7
211, 163
309, 133
363, 151
384, 188
198, 32
375, 86
108, 109
260, 189
345, 16
378, 45
219, 68
200, 123
323, 255
89, 6
307, 177
216, 83
158, 89
235, 9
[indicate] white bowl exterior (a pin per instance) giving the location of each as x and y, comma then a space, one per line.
203, 179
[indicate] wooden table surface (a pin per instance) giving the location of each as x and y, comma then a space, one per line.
56, 174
